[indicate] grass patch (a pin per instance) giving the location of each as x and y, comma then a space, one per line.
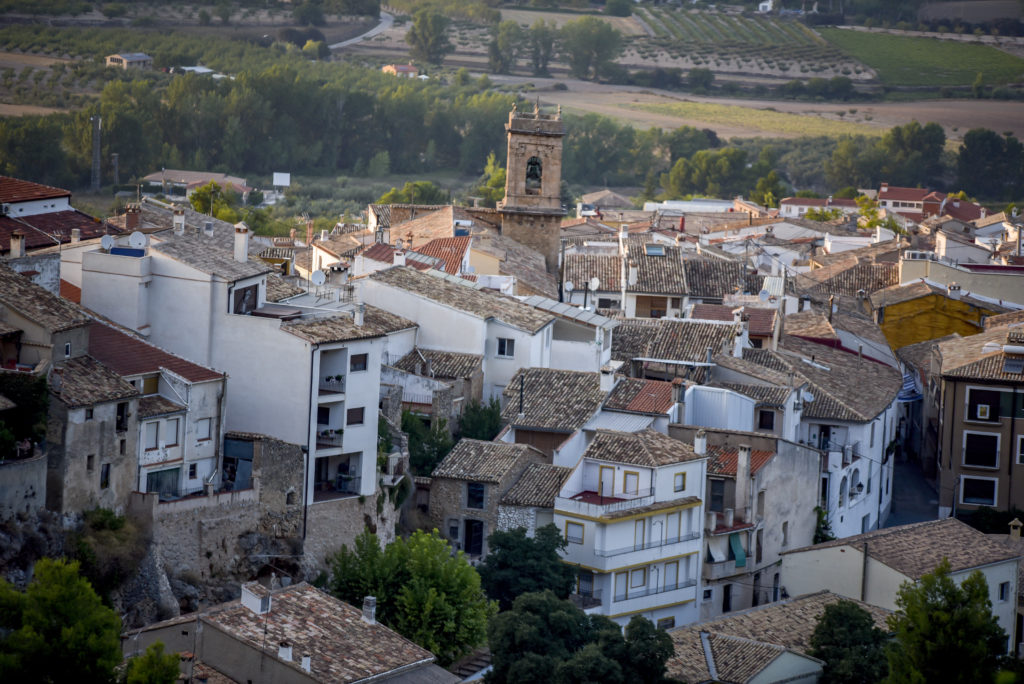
766, 121
912, 61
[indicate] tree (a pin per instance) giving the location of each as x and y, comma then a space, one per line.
506, 41
308, 14
700, 79
516, 565
590, 45
223, 10
871, 215
852, 647
990, 165
58, 630
823, 214
428, 36
424, 592
543, 36
944, 632
618, 8
769, 190
153, 667
543, 639
415, 192
481, 421
427, 447
215, 201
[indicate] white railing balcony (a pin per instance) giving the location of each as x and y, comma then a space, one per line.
332, 385
327, 438
651, 591
594, 505
608, 553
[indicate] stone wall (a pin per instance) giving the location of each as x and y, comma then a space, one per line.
537, 231
333, 524
513, 517
22, 486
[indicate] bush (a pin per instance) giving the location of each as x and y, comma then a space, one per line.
618, 8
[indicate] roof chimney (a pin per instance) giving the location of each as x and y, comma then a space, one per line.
632, 272
132, 215
607, 380
399, 258
1015, 526
76, 234
370, 610
17, 244
178, 221
241, 242
700, 443
306, 664
256, 598
359, 316
323, 236
743, 480
710, 356
208, 228
284, 651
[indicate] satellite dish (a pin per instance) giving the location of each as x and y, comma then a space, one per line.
318, 278
568, 286
763, 295
137, 240
595, 283
107, 242
807, 396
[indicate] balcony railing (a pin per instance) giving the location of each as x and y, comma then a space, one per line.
592, 503
591, 599
332, 385
647, 545
650, 591
327, 438
340, 487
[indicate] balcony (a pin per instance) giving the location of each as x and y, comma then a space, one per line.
341, 487
722, 569
651, 591
594, 505
327, 438
608, 553
587, 601
331, 388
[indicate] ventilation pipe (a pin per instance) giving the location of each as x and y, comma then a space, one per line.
241, 242
370, 610
17, 244
178, 221
284, 651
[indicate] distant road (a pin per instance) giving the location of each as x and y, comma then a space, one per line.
386, 20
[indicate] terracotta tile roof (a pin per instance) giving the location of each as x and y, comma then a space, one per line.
906, 292
645, 448
761, 367
392, 215
722, 460
480, 461
537, 486
34, 302
916, 549
278, 288
789, 624
155, 405
70, 292
876, 252
17, 190
760, 321
818, 202
965, 357
516, 259
658, 274
737, 659
343, 647
482, 304
449, 250
442, 364
84, 381
1008, 318
342, 327
207, 254
580, 268
920, 355
128, 355
895, 192
764, 395
340, 246
553, 400
607, 199
712, 312
641, 396
714, 278
669, 339
39, 228
848, 277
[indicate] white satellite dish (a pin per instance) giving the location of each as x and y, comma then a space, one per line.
595, 283
763, 295
107, 242
569, 286
318, 278
807, 396
137, 240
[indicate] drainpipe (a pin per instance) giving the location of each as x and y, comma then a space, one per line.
864, 575
305, 460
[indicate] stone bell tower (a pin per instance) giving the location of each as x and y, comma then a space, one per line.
531, 212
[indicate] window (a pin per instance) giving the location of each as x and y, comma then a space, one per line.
605, 303
980, 491
726, 598
872, 444
358, 362
474, 539
192, 467
679, 482
453, 529
104, 476
289, 499
574, 532
506, 347
667, 622
708, 594
621, 586
354, 416
323, 415
1020, 449
89, 462
717, 495
654, 250
1004, 591
171, 433
67, 350
983, 405
765, 420
630, 482
475, 495
677, 303
638, 578
245, 299
204, 427
152, 435
151, 385
981, 449
122, 416
785, 533
88, 414
121, 448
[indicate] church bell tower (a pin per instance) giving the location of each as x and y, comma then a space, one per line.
531, 212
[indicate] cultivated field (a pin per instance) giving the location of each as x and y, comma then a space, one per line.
627, 26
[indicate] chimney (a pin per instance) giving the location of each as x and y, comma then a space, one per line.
607, 381
208, 228
132, 214
17, 244
359, 316
700, 443
400, 258
1015, 526
710, 355
632, 272
805, 302
370, 610
241, 242
730, 518
323, 236
284, 651
76, 234
743, 480
831, 307
178, 221
306, 662
291, 235
678, 390
256, 598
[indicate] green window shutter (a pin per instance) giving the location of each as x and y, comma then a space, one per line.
737, 550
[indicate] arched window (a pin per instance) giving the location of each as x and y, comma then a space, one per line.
842, 492
534, 171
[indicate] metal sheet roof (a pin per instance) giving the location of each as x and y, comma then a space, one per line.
569, 311
619, 422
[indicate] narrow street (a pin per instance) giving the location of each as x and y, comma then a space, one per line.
914, 498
